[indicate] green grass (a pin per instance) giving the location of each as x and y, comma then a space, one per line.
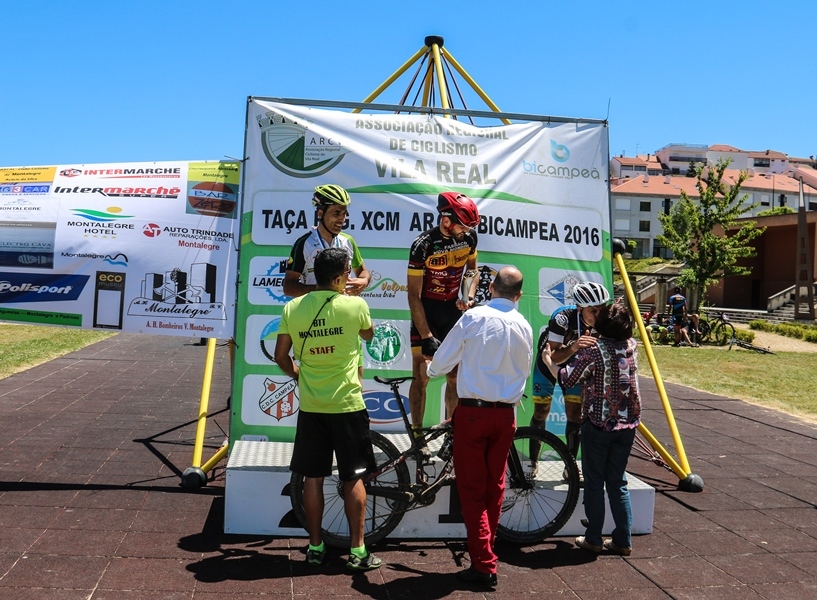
783, 381
25, 346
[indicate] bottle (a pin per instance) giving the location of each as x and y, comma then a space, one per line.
447, 448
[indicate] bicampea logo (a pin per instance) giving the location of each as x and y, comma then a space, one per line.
559, 152
294, 149
387, 346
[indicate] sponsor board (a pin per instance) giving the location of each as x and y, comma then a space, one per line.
556, 287
271, 400
390, 347
266, 281
35, 287
261, 336
384, 412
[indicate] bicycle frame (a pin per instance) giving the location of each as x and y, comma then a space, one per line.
421, 485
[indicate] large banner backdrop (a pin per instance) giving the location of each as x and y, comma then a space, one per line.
542, 193
136, 247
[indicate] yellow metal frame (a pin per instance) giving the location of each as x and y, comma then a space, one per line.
196, 476
681, 467
437, 57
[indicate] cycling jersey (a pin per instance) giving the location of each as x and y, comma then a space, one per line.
565, 327
441, 260
306, 248
677, 305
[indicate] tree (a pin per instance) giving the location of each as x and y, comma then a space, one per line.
690, 230
777, 210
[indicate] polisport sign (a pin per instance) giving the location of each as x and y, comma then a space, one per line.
35, 287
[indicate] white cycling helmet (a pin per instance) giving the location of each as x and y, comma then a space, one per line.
590, 293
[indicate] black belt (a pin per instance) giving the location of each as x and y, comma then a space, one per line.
477, 403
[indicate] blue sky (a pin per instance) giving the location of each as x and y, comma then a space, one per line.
92, 82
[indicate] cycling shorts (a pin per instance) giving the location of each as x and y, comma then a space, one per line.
543, 389
441, 317
346, 435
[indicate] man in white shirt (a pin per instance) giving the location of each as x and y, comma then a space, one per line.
493, 346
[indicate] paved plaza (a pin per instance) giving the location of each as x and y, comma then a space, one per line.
94, 444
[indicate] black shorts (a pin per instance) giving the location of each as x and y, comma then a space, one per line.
441, 316
319, 435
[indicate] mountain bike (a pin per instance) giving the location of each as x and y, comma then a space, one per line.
718, 330
747, 346
541, 482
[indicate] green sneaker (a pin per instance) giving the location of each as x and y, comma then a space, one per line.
315, 557
363, 564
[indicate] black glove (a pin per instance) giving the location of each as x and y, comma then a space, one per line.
430, 345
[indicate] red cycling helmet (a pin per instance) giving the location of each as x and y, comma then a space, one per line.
458, 207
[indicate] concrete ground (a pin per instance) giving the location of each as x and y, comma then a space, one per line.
93, 445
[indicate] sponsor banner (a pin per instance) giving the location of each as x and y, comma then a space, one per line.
390, 348
26, 176
38, 287
541, 189
266, 280
155, 262
41, 317
271, 401
389, 220
556, 287
261, 333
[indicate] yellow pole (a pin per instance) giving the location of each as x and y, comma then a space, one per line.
204, 402
394, 77
435, 53
642, 429
221, 453
659, 383
427, 83
474, 85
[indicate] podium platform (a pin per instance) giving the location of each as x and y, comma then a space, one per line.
257, 499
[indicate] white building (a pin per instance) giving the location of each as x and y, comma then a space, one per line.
644, 186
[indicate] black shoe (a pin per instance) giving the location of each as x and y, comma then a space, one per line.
471, 575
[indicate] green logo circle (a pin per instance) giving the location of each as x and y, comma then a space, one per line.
289, 147
387, 345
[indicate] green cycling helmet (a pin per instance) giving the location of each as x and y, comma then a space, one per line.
330, 194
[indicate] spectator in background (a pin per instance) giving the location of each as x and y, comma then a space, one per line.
680, 319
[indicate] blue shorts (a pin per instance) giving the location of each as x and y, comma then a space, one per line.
543, 389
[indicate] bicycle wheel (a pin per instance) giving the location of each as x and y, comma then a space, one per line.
382, 514
723, 332
705, 329
542, 495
